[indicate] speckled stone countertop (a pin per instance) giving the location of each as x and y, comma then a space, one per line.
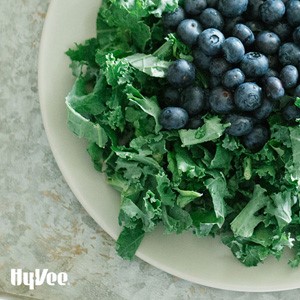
42, 225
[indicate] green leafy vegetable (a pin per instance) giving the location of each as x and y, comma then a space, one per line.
295, 140
148, 105
199, 180
212, 129
129, 241
149, 64
80, 125
218, 190
185, 197
244, 224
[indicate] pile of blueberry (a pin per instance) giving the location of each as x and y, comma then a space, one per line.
250, 50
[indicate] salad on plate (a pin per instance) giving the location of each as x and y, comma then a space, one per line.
191, 109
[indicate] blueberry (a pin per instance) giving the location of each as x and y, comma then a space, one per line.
273, 88
233, 78
232, 8
297, 91
181, 73
210, 41
254, 64
289, 76
283, 30
239, 125
173, 118
171, 97
267, 42
248, 96
296, 35
271, 11
221, 100
172, 20
289, 54
233, 50
188, 31
253, 9
293, 12
192, 100
194, 7
257, 138
201, 60
211, 18
218, 66
244, 34
264, 110
291, 113
195, 122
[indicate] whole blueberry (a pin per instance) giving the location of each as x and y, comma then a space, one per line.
221, 100
171, 20
188, 31
257, 138
194, 7
291, 113
218, 66
248, 96
239, 125
232, 8
171, 97
289, 76
267, 42
201, 60
289, 54
233, 50
173, 118
254, 64
192, 100
297, 91
194, 122
211, 18
244, 34
273, 88
233, 78
293, 12
181, 73
283, 30
264, 111
296, 35
210, 41
271, 11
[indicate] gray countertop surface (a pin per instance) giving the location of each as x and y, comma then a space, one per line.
42, 224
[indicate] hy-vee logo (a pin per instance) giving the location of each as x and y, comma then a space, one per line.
38, 277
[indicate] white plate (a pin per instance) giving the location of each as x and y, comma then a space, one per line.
204, 261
